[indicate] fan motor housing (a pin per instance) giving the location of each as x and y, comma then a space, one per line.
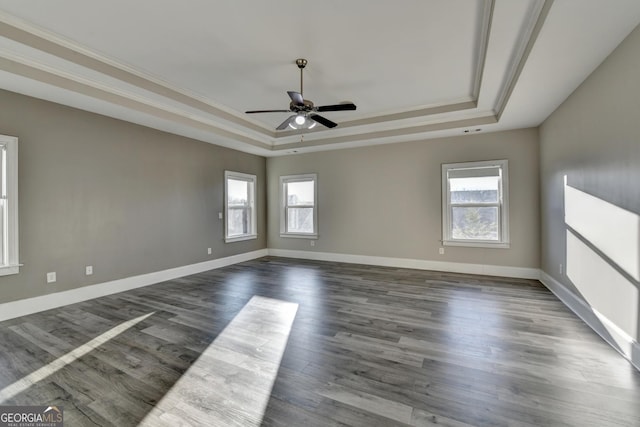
306, 108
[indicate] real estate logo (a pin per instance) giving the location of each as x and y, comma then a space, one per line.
31, 416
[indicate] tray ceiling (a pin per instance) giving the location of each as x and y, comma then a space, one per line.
416, 69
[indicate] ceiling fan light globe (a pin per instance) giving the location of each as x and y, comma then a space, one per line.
300, 120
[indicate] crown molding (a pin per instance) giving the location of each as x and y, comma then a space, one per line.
391, 119
458, 105
42, 73
404, 134
241, 131
37, 38
529, 35
483, 46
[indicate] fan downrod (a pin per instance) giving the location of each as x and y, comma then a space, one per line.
301, 63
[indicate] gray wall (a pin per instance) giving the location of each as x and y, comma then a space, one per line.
386, 200
593, 139
124, 198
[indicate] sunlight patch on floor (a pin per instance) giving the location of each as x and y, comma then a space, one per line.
24, 383
230, 384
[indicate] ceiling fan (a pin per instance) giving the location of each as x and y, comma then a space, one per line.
305, 116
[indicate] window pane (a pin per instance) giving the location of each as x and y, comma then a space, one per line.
474, 190
300, 193
475, 223
3, 171
237, 222
300, 220
3, 232
3, 205
237, 192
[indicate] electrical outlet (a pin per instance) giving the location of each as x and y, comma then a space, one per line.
312, 242
560, 268
219, 215
441, 251
88, 270
209, 251
51, 277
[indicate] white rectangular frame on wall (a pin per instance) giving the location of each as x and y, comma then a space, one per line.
252, 206
284, 180
9, 260
471, 169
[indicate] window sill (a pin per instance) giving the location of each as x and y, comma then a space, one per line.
299, 236
470, 244
240, 238
10, 269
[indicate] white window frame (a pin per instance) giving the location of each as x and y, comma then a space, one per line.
502, 204
251, 206
9, 263
284, 180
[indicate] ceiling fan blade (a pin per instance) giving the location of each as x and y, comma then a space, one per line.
267, 111
338, 107
284, 124
323, 121
296, 98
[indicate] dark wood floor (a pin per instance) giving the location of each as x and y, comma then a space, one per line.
300, 343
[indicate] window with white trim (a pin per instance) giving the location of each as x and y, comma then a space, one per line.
9, 263
475, 208
240, 206
298, 206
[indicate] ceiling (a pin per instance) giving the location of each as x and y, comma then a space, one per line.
416, 69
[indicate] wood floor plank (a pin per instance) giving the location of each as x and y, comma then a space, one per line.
366, 346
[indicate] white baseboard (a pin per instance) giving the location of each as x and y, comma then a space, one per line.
419, 264
609, 331
27, 306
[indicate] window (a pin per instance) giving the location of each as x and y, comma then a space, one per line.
298, 212
240, 206
8, 205
475, 204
